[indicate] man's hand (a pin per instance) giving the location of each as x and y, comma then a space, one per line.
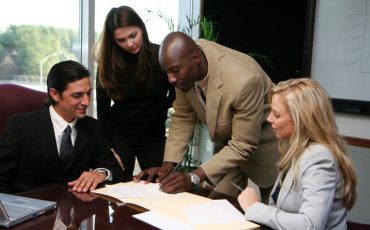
179, 182
157, 173
175, 183
247, 198
87, 181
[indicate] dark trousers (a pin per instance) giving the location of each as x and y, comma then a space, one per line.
148, 154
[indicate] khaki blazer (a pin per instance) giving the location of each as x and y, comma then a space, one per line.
236, 111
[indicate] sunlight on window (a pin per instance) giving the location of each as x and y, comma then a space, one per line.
34, 35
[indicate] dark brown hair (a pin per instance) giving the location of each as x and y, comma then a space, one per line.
63, 73
112, 59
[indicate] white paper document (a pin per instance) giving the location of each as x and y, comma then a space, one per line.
137, 190
162, 221
213, 212
185, 210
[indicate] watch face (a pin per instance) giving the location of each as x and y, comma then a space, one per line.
194, 178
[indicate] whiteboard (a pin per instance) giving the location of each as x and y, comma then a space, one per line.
341, 48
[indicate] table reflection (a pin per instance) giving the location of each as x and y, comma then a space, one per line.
85, 211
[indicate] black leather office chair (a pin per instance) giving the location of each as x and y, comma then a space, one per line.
18, 99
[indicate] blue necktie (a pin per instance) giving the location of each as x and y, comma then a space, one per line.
66, 144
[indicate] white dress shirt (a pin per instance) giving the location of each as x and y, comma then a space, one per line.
59, 124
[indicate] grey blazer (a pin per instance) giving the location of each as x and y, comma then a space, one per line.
315, 203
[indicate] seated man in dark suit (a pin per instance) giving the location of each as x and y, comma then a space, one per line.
58, 144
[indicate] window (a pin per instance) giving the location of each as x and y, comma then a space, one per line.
33, 36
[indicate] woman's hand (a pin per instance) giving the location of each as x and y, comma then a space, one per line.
247, 198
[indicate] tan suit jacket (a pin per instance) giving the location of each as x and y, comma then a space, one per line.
236, 111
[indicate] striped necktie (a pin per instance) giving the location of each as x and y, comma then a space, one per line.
200, 95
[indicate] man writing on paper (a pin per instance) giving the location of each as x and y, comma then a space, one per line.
58, 144
227, 90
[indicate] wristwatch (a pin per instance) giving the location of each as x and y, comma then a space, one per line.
194, 178
102, 171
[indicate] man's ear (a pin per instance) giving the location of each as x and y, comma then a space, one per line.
195, 56
54, 94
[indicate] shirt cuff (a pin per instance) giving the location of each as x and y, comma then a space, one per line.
109, 176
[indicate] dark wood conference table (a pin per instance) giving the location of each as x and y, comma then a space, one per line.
94, 211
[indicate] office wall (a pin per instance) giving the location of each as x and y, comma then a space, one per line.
358, 126
361, 161
353, 125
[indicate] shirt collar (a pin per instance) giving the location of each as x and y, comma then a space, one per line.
203, 83
58, 122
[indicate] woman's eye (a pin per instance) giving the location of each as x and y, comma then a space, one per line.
133, 35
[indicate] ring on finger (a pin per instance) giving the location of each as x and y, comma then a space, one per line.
91, 180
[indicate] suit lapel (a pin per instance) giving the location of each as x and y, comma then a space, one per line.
213, 104
214, 96
271, 200
45, 131
82, 138
196, 105
285, 188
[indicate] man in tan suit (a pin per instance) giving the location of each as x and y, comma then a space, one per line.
227, 90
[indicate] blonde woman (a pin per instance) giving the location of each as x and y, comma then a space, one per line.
316, 184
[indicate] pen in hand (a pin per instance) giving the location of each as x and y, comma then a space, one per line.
236, 186
173, 170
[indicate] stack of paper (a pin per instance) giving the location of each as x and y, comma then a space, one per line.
185, 210
133, 190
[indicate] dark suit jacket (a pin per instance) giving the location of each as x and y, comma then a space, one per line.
29, 157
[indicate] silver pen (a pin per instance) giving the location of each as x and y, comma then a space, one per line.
174, 169
236, 186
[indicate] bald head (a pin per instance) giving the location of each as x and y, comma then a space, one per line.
175, 47
182, 60
177, 43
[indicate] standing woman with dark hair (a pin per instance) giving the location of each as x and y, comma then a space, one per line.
130, 75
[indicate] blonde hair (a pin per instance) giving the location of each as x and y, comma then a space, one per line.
313, 119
